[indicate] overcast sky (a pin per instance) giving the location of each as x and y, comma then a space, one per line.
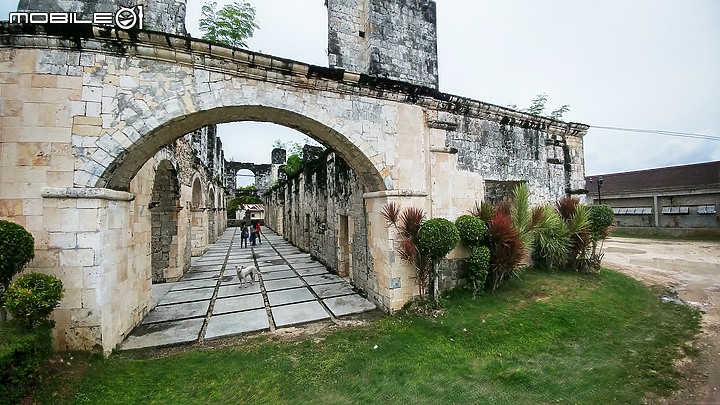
648, 64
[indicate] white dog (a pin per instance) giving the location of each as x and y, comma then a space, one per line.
243, 272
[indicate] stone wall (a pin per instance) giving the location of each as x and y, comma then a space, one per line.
159, 15
321, 211
394, 39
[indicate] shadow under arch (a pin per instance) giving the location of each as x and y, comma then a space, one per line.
125, 166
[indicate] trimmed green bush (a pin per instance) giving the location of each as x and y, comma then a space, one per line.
478, 265
33, 297
23, 354
601, 218
473, 231
437, 237
17, 248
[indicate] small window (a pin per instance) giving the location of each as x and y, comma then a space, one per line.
252, 215
706, 209
676, 210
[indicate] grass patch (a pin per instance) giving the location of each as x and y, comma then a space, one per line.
622, 234
548, 337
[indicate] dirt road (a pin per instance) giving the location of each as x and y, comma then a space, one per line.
691, 268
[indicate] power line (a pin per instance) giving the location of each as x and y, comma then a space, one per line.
661, 132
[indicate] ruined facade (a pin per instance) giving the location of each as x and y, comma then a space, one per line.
159, 15
388, 39
86, 114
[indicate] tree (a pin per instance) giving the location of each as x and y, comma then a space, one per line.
537, 107
231, 25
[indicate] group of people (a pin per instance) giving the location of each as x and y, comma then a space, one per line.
251, 232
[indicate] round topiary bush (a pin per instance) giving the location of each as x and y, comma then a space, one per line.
437, 237
473, 231
478, 265
33, 297
17, 248
601, 218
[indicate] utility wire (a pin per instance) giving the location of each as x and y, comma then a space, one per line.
660, 132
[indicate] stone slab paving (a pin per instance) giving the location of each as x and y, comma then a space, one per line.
303, 312
185, 310
295, 295
209, 302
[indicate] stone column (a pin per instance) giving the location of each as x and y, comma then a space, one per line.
106, 276
396, 279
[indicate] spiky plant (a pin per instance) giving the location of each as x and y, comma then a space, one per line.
566, 207
579, 229
551, 244
482, 210
506, 250
407, 222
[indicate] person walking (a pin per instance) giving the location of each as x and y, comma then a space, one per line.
251, 231
244, 236
257, 231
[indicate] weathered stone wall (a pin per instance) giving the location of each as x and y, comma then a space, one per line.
394, 39
321, 210
86, 111
159, 15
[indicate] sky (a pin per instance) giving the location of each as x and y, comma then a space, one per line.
646, 64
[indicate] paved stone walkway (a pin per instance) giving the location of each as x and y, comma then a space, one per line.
209, 301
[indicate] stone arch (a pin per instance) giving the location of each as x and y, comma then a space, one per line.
164, 222
212, 215
123, 167
197, 199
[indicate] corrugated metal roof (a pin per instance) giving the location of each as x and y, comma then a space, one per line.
702, 175
253, 207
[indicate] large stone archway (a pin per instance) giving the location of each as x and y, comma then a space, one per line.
83, 111
164, 222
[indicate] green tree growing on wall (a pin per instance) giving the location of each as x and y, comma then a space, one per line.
231, 25
537, 107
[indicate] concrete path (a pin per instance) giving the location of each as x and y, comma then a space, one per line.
209, 302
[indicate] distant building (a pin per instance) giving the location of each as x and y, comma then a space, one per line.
679, 200
252, 212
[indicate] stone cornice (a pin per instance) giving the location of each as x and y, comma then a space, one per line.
91, 193
243, 63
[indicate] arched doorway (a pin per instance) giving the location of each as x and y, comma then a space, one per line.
163, 208
198, 230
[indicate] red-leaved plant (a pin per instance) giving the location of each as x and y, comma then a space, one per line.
506, 249
408, 221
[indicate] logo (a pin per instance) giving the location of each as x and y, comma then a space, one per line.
125, 18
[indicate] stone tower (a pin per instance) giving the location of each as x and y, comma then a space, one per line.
160, 15
394, 39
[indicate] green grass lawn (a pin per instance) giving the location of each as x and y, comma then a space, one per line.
706, 238
545, 338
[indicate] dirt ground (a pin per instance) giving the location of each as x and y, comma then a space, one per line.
692, 269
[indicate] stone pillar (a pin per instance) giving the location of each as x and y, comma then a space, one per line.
106, 277
396, 279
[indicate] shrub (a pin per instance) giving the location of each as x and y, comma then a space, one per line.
437, 237
483, 211
551, 243
579, 228
23, 353
17, 248
478, 264
33, 297
506, 250
473, 231
601, 218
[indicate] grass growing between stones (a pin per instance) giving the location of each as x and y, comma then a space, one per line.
548, 337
